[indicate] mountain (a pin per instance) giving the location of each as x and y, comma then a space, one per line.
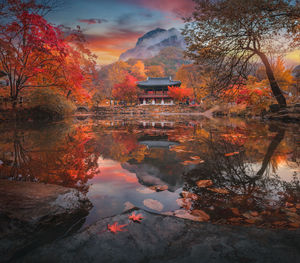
150, 44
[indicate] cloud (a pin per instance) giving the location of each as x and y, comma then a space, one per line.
179, 7
92, 21
112, 43
133, 18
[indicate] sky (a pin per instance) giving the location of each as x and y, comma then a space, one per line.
113, 26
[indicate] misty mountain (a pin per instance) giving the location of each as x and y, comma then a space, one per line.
150, 44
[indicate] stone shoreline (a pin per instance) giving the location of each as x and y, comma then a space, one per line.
161, 238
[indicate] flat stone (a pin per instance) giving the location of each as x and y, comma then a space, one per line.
30, 202
160, 238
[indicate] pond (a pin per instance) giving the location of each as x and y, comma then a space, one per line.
224, 171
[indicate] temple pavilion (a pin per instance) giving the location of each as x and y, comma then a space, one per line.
155, 91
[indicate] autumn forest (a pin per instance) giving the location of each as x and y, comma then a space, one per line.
150, 131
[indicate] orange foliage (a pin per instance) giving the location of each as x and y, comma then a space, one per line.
180, 93
127, 90
37, 54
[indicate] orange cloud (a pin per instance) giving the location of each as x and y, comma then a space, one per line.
112, 44
293, 58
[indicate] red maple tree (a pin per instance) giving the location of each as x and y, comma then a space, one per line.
180, 93
126, 90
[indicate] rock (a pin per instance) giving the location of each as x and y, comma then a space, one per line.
34, 213
289, 114
274, 107
162, 238
31, 202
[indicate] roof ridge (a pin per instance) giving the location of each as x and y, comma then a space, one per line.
159, 78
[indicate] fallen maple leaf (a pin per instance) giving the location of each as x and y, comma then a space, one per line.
204, 183
136, 218
114, 228
230, 154
218, 190
201, 214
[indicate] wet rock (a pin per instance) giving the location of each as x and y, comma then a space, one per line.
32, 214
160, 238
290, 114
274, 107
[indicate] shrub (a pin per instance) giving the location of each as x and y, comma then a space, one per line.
50, 105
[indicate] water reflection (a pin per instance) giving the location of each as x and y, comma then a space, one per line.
224, 171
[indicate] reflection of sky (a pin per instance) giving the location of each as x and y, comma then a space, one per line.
283, 170
114, 187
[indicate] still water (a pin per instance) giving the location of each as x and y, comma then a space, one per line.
225, 171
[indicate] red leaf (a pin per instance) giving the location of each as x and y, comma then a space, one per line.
136, 218
114, 228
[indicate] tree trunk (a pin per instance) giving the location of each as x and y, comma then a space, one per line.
273, 83
69, 93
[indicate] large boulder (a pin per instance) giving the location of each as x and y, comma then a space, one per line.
33, 213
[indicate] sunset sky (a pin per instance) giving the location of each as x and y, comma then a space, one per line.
113, 26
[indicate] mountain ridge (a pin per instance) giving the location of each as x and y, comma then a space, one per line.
152, 42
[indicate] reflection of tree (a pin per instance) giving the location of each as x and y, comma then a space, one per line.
239, 194
69, 160
270, 152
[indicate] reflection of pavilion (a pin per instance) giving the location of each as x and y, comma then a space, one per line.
158, 141
157, 124
158, 144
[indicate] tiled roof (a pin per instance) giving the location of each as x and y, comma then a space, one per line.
150, 82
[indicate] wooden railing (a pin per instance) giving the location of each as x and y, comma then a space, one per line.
154, 96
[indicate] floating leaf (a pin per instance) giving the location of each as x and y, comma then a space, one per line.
235, 211
184, 214
145, 190
201, 214
188, 162
184, 202
153, 204
231, 154
279, 223
219, 190
190, 195
254, 213
204, 183
296, 225
114, 228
